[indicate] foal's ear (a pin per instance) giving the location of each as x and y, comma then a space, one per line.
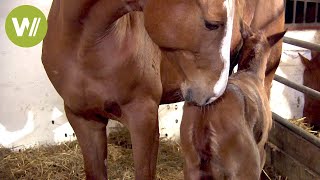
245, 30
315, 56
273, 39
305, 61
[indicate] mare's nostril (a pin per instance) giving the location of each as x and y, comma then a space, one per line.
188, 97
208, 100
211, 99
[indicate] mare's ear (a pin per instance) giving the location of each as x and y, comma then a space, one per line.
305, 61
245, 30
273, 39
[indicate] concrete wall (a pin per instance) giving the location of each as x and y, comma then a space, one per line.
31, 112
29, 102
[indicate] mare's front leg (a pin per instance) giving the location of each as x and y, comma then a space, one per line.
142, 122
91, 135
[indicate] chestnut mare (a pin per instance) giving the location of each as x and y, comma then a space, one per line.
225, 140
101, 60
311, 78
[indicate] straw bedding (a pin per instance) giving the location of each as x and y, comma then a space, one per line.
65, 161
305, 126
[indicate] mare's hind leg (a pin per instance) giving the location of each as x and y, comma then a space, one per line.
142, 122
91, 135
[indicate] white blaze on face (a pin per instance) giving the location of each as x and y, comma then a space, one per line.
221, 84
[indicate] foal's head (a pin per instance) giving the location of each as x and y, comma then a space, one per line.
196, 34
256, 49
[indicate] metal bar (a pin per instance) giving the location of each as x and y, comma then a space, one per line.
297, 130
311, 0
294, 11
304, 44
308, 91
312, 26
285, 7
317, 9
305, 12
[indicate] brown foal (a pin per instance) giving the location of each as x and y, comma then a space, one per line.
225, 140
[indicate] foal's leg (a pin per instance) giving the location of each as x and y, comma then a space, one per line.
142, 122
91, 135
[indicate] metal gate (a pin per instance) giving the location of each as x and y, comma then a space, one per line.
292, 151
302, 14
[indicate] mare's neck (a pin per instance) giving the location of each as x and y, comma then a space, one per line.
171, 77
87, 22
244, 11
94, 15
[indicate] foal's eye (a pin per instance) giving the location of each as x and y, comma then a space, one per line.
212, 25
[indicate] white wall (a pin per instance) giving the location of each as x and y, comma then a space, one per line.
28, 100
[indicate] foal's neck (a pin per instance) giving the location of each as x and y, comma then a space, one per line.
258, 66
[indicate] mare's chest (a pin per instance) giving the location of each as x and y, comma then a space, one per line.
111, 52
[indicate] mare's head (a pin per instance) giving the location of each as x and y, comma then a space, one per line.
311, 78
196, 35
311, 75
312, 71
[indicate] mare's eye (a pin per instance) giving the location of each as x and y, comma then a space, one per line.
212, 25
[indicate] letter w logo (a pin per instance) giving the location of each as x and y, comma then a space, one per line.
25, 25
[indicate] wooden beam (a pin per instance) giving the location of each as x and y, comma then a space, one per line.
291, 153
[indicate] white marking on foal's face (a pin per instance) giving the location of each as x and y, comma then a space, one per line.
221, 84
